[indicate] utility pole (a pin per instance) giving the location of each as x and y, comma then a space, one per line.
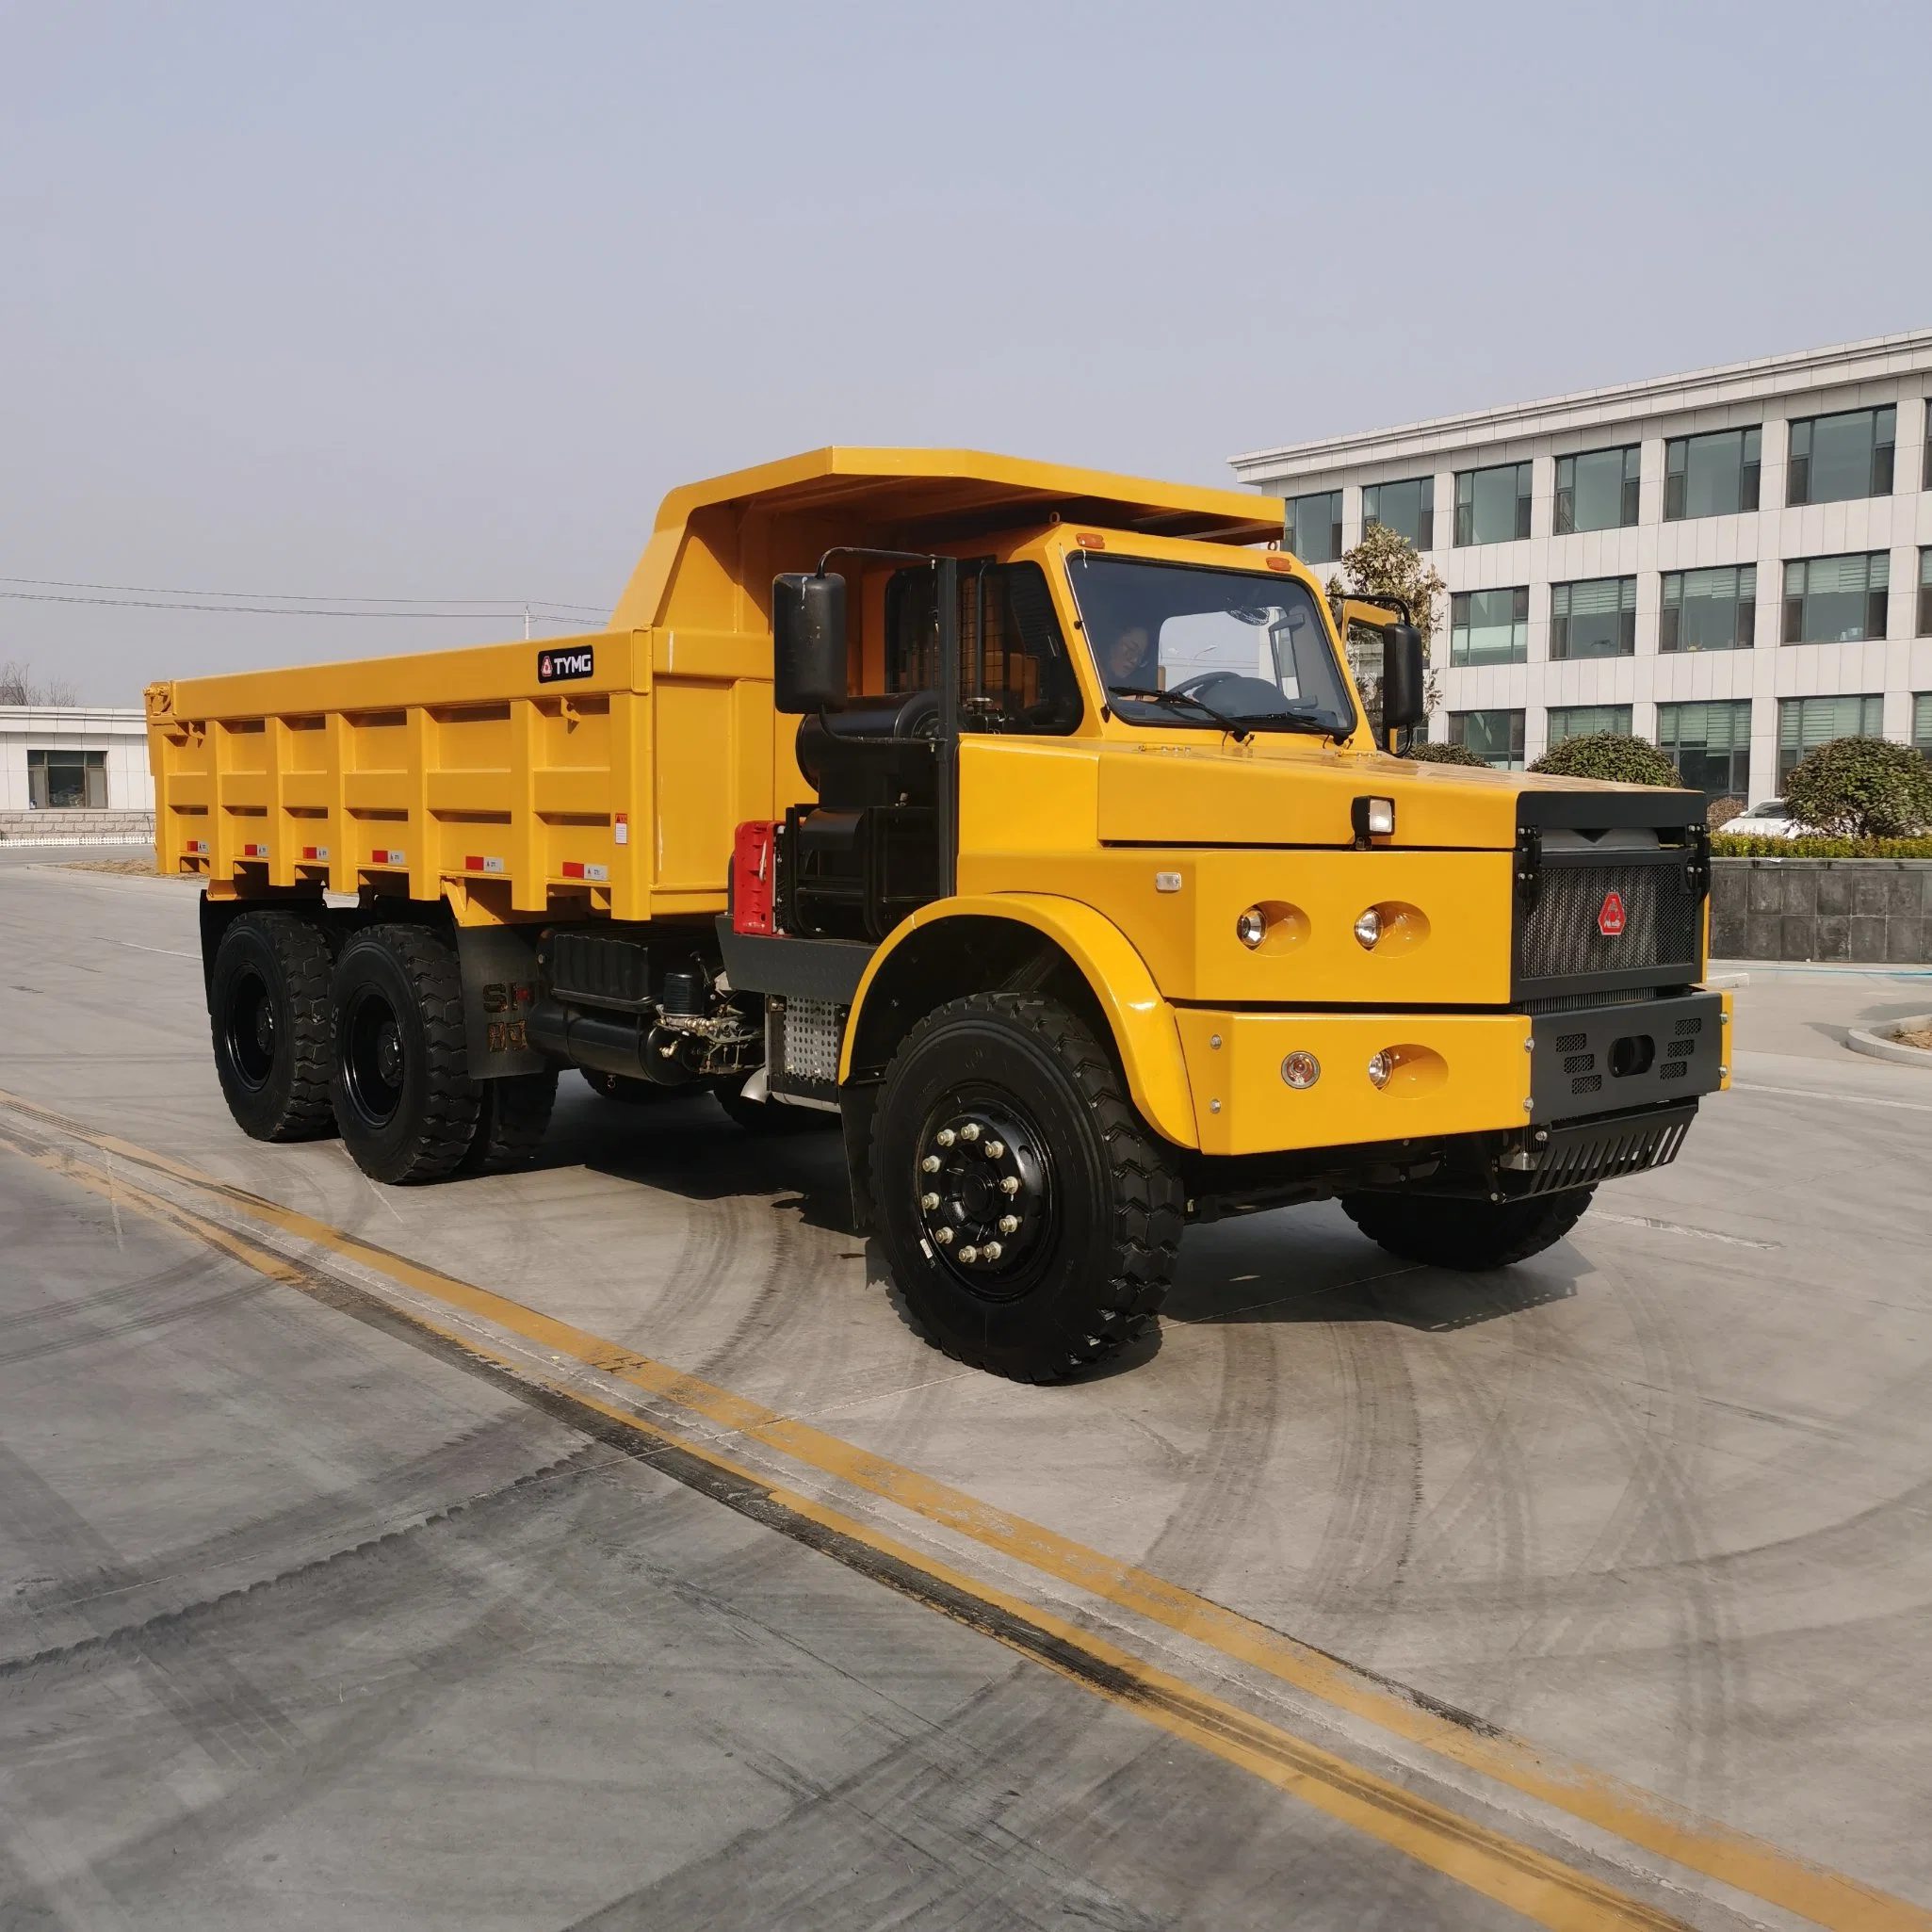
526, 624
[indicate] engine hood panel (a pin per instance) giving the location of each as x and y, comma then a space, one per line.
1175, 795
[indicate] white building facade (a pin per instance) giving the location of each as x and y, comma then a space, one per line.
70, 771
1735, 564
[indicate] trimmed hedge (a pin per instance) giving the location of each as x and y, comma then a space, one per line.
1744, 844
1609, 755
1445, 754
1862, 788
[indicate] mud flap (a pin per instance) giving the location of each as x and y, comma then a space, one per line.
499, 987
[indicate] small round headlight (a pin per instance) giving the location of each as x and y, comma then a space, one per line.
1380, 1067
1369, 928
1301, 1070
1251, 928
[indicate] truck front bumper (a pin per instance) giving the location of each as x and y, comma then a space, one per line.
1446, 1073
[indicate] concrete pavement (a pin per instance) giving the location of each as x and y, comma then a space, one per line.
1656, 1503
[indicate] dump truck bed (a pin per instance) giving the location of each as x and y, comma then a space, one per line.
515, 779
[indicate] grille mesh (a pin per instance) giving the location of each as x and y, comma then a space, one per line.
814, 1031
1559, 936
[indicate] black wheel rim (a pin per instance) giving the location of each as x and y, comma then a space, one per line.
982, 1189
248, 1030
374, 1060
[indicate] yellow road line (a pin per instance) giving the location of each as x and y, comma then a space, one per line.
1640, 1817
1541, 1887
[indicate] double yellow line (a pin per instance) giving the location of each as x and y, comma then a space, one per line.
1542, 1888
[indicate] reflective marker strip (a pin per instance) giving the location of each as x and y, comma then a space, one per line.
255, 852
482, 864
199, 845
318, 853
573, 869
386, 855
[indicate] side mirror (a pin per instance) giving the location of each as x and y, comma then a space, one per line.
808, 642
1405, 689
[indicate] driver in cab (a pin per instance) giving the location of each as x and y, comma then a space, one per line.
1130, 659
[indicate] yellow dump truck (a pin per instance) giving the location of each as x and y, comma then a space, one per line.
1023, 821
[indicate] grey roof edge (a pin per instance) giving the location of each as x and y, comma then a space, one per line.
1650, 395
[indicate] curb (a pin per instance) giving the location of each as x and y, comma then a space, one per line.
1879, 1043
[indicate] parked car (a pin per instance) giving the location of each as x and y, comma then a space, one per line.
1769, 818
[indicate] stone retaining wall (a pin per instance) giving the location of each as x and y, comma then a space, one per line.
1876, 910
135, 827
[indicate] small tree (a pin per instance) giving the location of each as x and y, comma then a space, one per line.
1609, 755
1385, 563
1862, 788
18, 687
1722, 811
1444, 755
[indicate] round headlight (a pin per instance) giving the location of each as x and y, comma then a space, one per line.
1251, 928
1380, 1067
1301, 1070
1369, 928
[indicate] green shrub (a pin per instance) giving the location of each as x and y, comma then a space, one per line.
1750, 845
1862, 788
1444, 755
1609, 755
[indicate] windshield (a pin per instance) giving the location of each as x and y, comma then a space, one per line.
1250, 647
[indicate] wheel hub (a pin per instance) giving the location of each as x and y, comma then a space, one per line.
982, 1183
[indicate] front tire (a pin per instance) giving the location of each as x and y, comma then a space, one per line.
1030, 1215
1472, 1236
402, 1089
269, 1009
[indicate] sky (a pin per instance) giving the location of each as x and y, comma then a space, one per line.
436, 302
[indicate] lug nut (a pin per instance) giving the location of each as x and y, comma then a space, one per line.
930, 1164
1009, 1184
1009, 1224
928, 1203
946, 1137
943, 1236
970, 1131
991, 1252
970, 1253
996, 1150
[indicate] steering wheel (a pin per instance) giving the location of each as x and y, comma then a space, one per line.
1239, 692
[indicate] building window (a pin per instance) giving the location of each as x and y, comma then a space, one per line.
1490, 626
1708, 609
1710, 475
1407, 509
1805, 724
1596, 618
67, 781
1314, 526
1579, 721
1834, 458
1494, 735
1922, 725
1925, 476
1925, 587
1709, 745
1597, 491
1836, 600
1492, 506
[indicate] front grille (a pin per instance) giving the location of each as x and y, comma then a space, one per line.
1559, 934
1581, 1155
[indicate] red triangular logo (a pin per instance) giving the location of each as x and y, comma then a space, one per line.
1610, 920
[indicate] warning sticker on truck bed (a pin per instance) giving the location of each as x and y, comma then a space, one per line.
553, 667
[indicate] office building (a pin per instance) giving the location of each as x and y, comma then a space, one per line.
1735, 564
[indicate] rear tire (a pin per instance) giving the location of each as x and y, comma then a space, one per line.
1474, 1236
512, 1117
1001, 1120
270, 1013
402, 1089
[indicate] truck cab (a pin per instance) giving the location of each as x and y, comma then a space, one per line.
1025, 825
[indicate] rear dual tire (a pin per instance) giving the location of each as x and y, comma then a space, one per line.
269, 1011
